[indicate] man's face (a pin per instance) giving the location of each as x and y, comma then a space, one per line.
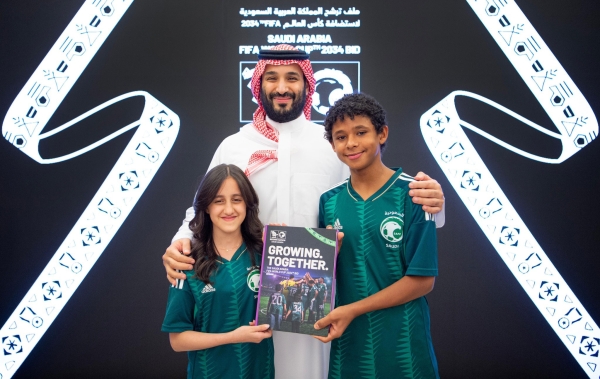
283, 93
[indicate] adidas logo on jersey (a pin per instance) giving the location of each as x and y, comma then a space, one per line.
208, 288
337, 225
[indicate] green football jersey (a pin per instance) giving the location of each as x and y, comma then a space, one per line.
304, 290
293, 291
219, 308
297, 310
385, 238
312, 292
276, 303
322, 288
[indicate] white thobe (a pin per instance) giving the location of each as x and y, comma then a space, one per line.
288, 192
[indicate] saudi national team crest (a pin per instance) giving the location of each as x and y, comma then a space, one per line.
253, 279
392, 229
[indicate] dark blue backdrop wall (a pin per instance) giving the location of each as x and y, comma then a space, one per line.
187, 55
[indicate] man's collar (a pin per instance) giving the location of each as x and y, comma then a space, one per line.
299, 122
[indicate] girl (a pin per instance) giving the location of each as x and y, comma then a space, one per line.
209, 314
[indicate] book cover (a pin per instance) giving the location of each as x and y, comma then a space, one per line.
297, 281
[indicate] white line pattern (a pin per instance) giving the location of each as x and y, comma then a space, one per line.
570, 112
40, 97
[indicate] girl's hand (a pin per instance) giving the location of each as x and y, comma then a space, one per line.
251, 334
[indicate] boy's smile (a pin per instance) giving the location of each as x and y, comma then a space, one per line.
354, 156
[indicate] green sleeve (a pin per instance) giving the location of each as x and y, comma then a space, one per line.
420, 241
322, 213
179, 316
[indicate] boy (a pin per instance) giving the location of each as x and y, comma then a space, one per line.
276, 308
388, 260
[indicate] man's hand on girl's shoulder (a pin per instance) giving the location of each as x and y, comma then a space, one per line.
176, 257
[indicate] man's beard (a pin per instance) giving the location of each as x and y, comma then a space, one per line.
281, 116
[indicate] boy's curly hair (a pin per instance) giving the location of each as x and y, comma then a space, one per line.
355, 104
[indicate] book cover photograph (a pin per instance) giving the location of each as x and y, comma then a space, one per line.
297, 282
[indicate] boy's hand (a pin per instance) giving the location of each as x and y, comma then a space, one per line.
338, 320
427, 192
176, 258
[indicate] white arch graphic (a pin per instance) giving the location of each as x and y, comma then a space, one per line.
577, 126
43, 93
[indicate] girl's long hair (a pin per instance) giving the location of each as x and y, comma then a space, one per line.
204, 250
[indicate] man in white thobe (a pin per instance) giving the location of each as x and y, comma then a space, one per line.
290, 164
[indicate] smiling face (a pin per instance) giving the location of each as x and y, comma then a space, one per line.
228, 209
357, 143
283, 93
